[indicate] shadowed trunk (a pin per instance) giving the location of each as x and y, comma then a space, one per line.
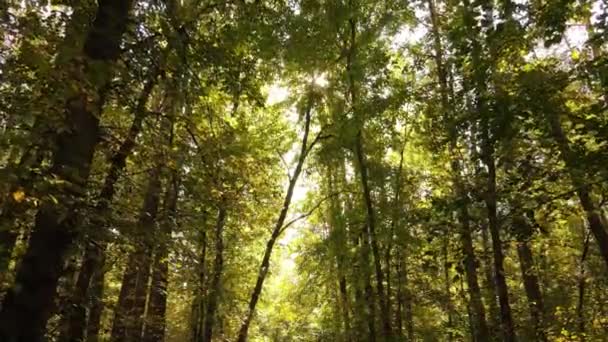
157, 303
218, 268
94, 253
27, 306
96, 306
529, 276
128, 314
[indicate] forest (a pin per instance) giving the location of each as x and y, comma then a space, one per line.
303, 170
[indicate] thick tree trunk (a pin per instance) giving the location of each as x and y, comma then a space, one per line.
27, 306
128, 314
577, 177
305, 148
218, 268
94, 253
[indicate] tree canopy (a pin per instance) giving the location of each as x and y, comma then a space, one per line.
303, 170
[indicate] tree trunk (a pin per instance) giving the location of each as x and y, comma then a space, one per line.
370, 212
157, 304
198, 304
448, 287
491, 297
305, 148
128, 315
218, 268
530, 278
478, 317
506, 320
96, 306
580, 307
27, 306
94, 253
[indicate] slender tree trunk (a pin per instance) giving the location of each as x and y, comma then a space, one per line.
448, 287
530, 278
157, 304
278, 228
580, 307
198, 316
480, 327
128, 314
577, 176
96, 306
400, 303
27, 306
218, 268
409, 314
477, 317
340, 246
491, 297
506, 320
370, 212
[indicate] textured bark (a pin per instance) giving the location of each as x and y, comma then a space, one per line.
27, 306
157, 303
128, 314
278, 228
218, 268
94, 253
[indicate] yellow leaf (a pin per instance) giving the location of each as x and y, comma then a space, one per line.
19, 196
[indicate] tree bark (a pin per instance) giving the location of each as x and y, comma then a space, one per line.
128, 314
305, 148
27, 306
95, 250
157, 304
530, 279
97, 305
218, 268
198, 316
